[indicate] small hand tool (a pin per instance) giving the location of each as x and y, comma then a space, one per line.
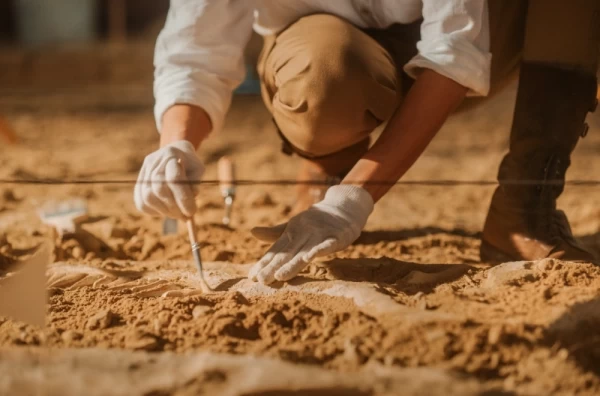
191, 226
227, 185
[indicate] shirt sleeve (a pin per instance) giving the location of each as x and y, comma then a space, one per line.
199, 55
455, 43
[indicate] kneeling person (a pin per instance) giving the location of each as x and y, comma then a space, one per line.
331, 72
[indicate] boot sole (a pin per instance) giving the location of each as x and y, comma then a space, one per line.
490, 254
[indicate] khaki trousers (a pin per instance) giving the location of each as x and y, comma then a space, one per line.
329, 84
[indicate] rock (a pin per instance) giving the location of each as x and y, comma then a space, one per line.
224, 255
495, 335
70, 336
102, 229
102, 320
200, 310
162, 321
510, 273
422, 304
164, 318
142, 341
77, 253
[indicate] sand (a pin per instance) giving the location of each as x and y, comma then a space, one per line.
409, 308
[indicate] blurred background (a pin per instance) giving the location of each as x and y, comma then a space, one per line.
34, 22
62, 45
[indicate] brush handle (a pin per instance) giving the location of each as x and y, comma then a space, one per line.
226, 170
191, 226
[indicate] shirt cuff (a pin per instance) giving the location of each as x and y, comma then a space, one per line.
458, 60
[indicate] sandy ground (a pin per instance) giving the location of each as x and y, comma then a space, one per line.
409, 308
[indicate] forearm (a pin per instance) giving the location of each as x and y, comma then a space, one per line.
185, 122
426, 107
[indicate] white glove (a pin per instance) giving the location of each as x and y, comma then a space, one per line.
161, 188
327, 227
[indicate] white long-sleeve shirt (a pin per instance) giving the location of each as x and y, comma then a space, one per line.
199, 53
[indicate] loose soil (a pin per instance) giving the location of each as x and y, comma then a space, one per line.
409, 308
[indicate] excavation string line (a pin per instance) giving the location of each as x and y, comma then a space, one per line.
284, 182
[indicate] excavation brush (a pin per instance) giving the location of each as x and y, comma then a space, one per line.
170, 226
191, 226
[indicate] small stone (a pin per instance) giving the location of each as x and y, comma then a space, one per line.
548, 293
161, 321
512, 273
418, 296
164, 318
563, 354
389, 360
142, 341
495, 334
236, 298
102, 320
77, 253
224, 255
352, 353
547, 264
200, 310
101, 229
70, 336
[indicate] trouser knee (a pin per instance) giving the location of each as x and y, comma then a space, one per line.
328, 84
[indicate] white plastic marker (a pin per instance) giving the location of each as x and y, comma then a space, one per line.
63, 215
227, 185
23, 294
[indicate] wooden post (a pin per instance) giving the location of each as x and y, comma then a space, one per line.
6, 132
117, 20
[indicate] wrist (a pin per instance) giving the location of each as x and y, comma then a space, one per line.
353, 201
185, 122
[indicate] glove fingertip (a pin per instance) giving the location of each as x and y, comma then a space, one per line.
265, 277
252, 274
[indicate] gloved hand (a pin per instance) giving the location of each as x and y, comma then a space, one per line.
327, 227
169, 168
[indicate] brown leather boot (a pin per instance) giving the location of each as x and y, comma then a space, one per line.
326, 171
523, 222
